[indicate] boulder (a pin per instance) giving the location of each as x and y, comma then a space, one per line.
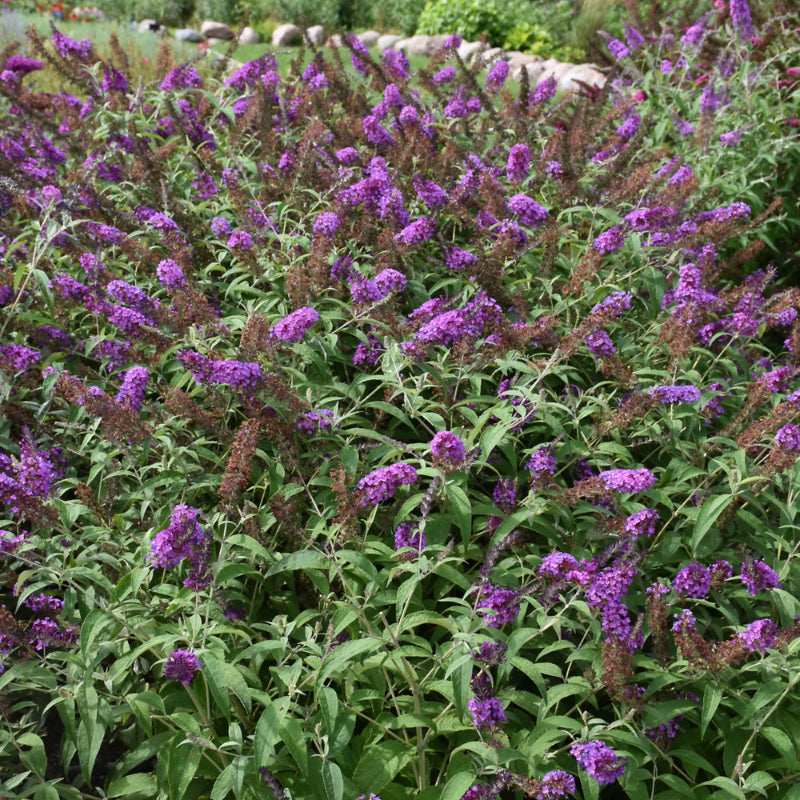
189, 35
557, 70
315, 35
368, 38
582, 73
285, 35
386, 41
336, 40
467, 50
534, 69
216, 30
249, 36
516, 60
486, 58
421, 45
152, 26
89, 12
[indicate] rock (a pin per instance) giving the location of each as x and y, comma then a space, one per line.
421, 45
151, 26
287, 34
216, 30
249, 36
336, 41
516, 60
582, 73
467, 50
315, 35
555, 70
486, 58
89, 12
533, 68
368, 38
189, 35
386, 41
213, 40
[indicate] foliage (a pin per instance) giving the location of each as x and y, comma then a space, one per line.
367, 432
532, 38
468, 18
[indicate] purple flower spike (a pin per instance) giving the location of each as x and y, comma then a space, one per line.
381, 484
757, 576
528, 210
446, 446
291, 329
759, 635
182, 665
628, 480
599, 761
555, 784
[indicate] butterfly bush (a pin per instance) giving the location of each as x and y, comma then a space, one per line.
246, 567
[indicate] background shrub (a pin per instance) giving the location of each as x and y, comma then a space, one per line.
468, 18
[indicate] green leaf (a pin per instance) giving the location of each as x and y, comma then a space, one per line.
230, 780
268, 729
379, 764
711, 698
462, 510
332, 780
35, 758
137, 783
91, 730
177, 764
302, 559
222, 678
460, 672
457, 785
328, 702
708, 515
782, 743
334, 661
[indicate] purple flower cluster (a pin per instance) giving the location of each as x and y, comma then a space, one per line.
430, 193
170, 274
502, 602
18, 357
326, 224
528, 210
183, 539
642, 523
448, 447
600, 344
757, 576
628, 480
519, 163
609, 241
458, 259
553, 785
182, 665
788, 437
239, 374
409, 535
381, 484
292, 328
693, 580
557, 566
542, 466
184, 76
132, 388
497, 76
487, 713
759, 635
417, 232
390, 280
675, 394
599, 761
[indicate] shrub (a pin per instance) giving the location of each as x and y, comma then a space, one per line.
468, 18
388, 433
